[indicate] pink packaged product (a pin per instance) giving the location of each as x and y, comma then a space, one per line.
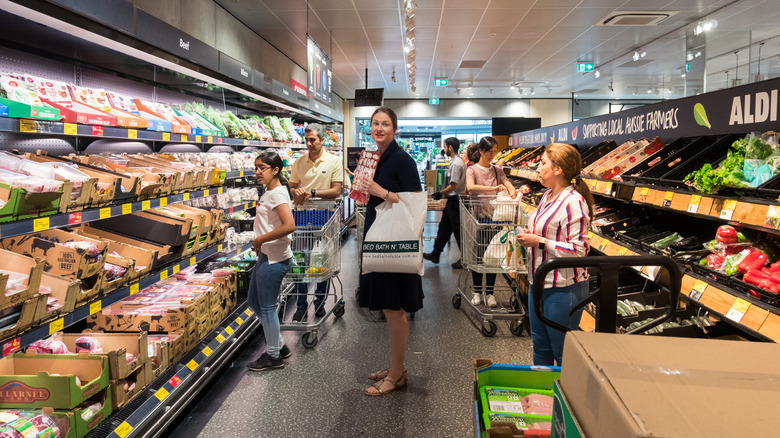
33, 424
113, 271
47, 346
223, 272
16, 282
364, 171
89, 344
52, 304
538, 404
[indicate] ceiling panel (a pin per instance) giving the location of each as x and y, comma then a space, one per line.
380, 18
544, 16
461, 17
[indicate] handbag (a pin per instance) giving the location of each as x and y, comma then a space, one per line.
394, 241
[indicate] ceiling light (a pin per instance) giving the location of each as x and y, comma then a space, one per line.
469, 86
636, 56
408, 65
512, 86
643, 54
698, 54
710, 24
689, 56
683, 74
597, 73
698, 29
533, 91
406, 49
649, 90
669, 90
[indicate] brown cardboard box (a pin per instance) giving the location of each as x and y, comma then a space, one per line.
65, 290
161, 358
116, 347
26, 319
13, 262
142, 259
60, 259
68, 203
116, 283
119, 396
163, 229
177, 344
165, 253
174, 319
625, 386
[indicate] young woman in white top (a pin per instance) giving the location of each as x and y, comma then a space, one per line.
273, 225
558, 228
482, 180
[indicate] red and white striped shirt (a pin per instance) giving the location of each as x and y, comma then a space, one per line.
564, 222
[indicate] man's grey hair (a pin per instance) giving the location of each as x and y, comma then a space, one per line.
316, 127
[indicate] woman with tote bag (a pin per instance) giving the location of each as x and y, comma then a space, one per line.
393, 293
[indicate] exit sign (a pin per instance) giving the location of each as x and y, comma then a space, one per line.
433, 101
584, 66
441, 82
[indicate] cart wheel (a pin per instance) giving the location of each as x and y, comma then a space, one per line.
338, 312
514, 303
309, 339
489, 329
516, 327
456, 301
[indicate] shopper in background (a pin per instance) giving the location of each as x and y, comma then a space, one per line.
392, 293
558, 228
485, 180
318, 174
450, 218
273, 225
472, 154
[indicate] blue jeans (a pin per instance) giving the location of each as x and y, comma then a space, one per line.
302, 290
558, 302
264, 288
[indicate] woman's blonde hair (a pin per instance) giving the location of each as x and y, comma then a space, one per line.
568, 159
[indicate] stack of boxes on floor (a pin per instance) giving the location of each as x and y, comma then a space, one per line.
72, 382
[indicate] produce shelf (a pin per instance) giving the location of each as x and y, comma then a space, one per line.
158, 405
40, 332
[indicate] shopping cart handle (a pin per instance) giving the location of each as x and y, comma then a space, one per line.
608, 292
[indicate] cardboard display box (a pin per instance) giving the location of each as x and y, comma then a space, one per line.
623, 386
180, 181
91, 288
176, 343
129, 264
19, 318
33, 268
21, 204
68, 202
149, 226
159, 356
116, 347
79, 427
120, 397
28, 379
163, 253
66, 291
435, 180
125, 188
564, 423
142, 259
60, 259
174, 319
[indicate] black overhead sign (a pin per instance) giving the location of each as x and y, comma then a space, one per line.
115, 13
233, 68
752, 107
158, 33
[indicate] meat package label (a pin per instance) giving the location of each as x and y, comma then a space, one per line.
504, 400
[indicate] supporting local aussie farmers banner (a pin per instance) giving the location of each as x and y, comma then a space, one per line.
748, 108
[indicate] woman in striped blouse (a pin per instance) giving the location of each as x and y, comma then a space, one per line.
558, 228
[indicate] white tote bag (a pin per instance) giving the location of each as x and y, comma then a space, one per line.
394, 241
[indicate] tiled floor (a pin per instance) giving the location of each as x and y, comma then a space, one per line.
319, 393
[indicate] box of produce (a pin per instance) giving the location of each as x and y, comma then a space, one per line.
60, 381
87, 415
513, 398
126, 352
125, 389
58, 297
607, 401
22, 197
67, 254
20, 278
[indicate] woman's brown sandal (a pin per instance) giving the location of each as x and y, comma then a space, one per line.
398, 384
379, 375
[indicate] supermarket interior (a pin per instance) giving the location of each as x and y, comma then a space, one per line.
182, 181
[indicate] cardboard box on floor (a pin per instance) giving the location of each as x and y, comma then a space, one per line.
642, 386
116, 347
60, 259
29, 380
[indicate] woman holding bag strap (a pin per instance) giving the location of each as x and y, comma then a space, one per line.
392, 293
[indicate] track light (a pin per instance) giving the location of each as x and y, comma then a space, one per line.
636, 56
406, 49
512, 86
643, 54
610, 87
597, 73
533, 91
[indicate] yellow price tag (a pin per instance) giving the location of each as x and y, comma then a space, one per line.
146, 205
40, 224
239, 321
623, 250
246, 206
668, 196
28, 125
71, 129
603, 245
246, 142
56, 326
166, 136
741, 305
105, 213
161, 394
220, 338
219, 248
164, 274
728, 209
241, 173
590, 235
197, 139
192, 365
132, 133
248, 312
593, 184
229, 330
193, 260
693, 206
133, 288
184, 137
207, 351
643, 194
163, 201
219, 191
206, 192
186, 197
123, 429
209, 140
700, 285
175, 269
608, 189
127, 208
95, 307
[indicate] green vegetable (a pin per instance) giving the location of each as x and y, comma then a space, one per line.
757, 149
701, 115
624, 309
667, 241
730, 173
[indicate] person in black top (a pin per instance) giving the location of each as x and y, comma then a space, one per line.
392, 293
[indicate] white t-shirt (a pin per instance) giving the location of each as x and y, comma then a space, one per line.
267, 220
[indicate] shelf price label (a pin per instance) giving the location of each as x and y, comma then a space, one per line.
133, 288
95, 307
175, 381
220, 338
219, 247
198, 139
207, 351
123, 430
248, 312
219, 191
192, 365
693, 207
193, 260
186, 196
146, 205
590, 235
246, 142
608, 189
40, 224
593, 184
206, 192
623, 250
239, 321
163, 201
28, 125
127, 208
697, 290
603, 245
105, 212
74, 218
184, 137
728, 209
56, 326
667, 202
166, 136
643, 194
229, 330
241, 173
773, 217
70, 129
12, 346
163, 275
132, 133
209, 139
97, 131
176, 269
161, 394
738, 310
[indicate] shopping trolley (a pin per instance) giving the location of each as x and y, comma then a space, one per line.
316, 258
489, 246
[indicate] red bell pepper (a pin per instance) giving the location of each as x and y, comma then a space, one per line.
714, 261
751, 278
758, 263
769, 286
726, 234
766, 270
748, 261
775, 267
775, 277
757, 273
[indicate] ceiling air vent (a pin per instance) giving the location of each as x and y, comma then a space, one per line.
635, 18
472, 64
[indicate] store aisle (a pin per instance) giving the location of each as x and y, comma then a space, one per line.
319, 393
